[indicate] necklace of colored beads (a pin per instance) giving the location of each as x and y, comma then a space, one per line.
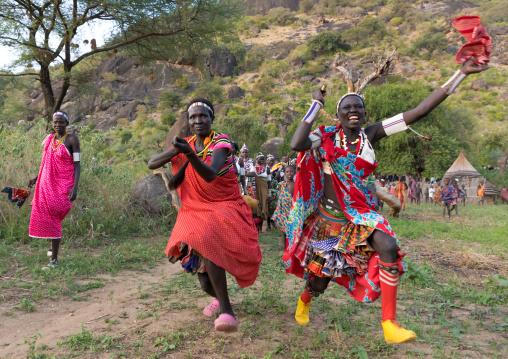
345, 141
56, 144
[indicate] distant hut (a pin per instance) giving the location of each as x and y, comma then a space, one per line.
465, 173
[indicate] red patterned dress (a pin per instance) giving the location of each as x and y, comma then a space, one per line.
51, 197
214, 220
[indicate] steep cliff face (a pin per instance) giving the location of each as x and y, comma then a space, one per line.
256, 7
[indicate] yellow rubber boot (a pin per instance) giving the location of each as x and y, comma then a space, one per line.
395, 334
302, 312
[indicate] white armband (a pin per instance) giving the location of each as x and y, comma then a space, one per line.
315, 139
76, 156
313, 111
242, 171
269, 178
453, 82
394, 124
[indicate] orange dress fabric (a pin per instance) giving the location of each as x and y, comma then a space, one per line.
401, 194
215, 221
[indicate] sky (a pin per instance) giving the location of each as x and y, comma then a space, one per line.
99, 31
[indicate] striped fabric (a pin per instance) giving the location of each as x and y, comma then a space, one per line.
389, 278
220, 140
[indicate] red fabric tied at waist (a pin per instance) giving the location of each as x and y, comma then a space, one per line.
479, 44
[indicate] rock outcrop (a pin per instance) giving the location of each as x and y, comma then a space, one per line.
257, 7
150, 193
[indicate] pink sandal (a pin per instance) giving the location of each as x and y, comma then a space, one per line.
226, 323
212, 308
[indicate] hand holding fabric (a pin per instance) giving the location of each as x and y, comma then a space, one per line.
182, 146
470, 66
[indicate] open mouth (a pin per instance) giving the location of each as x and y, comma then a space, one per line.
353, 119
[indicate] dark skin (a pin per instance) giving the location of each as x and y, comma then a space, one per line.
456, 205
241, 163
446, 206
71, 142
260, 161
213, 281
352, 115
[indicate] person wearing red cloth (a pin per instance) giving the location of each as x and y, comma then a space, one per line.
214, 231
335, 232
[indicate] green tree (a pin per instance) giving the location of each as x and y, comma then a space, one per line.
45, 31
327, 42
169, 99
306, 6
429, 42
243, 129
370, 31
449, 127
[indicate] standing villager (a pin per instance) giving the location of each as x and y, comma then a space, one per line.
418, 191
262, 180
481, 192
437, 193
455, 196
463, 194
334, 231
286, 190
249, 166
273, 192
504, 195
239, 168
56, 185
411, 191
426, 193
214, 231
432, 190
401, 192
446, 197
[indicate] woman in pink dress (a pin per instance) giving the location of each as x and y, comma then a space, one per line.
56, 185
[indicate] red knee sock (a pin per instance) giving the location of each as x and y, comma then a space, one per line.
306, 297
389, 284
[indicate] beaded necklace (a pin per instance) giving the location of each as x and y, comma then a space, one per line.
56, 144
344, 142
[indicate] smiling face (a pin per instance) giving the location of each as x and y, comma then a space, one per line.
351, 113
244, 153
270, 161
60, 124
260, 160
200, 122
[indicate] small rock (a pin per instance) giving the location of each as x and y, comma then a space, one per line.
478, 84
71, 314
307, 78
315, 82
235, 92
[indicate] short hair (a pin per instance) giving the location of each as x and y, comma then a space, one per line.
235, 146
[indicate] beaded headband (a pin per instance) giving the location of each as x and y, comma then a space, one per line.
61, 114
201, 104
349, 94
259, 155
270, 157
244, 147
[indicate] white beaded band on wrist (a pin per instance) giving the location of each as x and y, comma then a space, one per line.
242, 171
453, 82
313, 111
394, 124
76, 156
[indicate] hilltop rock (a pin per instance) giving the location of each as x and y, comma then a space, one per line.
222, 63
444, 8
272, 146
180, 128
261, 7
235, 92
150, 193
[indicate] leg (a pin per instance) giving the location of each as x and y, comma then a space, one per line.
313, 288
226, 321
386, 246
284, 240
206, 284
55, 245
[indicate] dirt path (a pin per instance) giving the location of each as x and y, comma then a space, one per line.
55, 320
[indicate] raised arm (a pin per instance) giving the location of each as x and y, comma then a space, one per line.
207, 172
398, 123
301, 141
160, 159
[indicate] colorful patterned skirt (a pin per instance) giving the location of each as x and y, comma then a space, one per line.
336, 247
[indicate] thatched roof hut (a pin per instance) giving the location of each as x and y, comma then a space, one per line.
465, 173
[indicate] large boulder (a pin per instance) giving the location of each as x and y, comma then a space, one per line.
150, 193
180, 128
222, 63
272, 146
235, 92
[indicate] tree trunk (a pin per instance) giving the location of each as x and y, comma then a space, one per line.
47, 90
392, 201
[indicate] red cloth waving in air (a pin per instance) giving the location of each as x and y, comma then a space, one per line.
479, 44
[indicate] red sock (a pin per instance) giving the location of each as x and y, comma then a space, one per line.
388, 283
306, 297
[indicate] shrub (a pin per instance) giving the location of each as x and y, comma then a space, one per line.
211, 91
281, 16
327, 42
300, 55
111, 76
396, 21
183, 82
255, 57
306, 6
275, 69
425, 45
169, 99
125, 136
263, 88
168, 118
370, 31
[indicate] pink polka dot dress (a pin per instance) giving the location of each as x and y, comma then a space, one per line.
51, 198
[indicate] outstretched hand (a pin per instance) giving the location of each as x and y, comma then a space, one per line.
469, 67
318, 95
182, 146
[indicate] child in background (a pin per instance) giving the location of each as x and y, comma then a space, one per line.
286, 190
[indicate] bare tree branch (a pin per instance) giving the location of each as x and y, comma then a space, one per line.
382, 69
